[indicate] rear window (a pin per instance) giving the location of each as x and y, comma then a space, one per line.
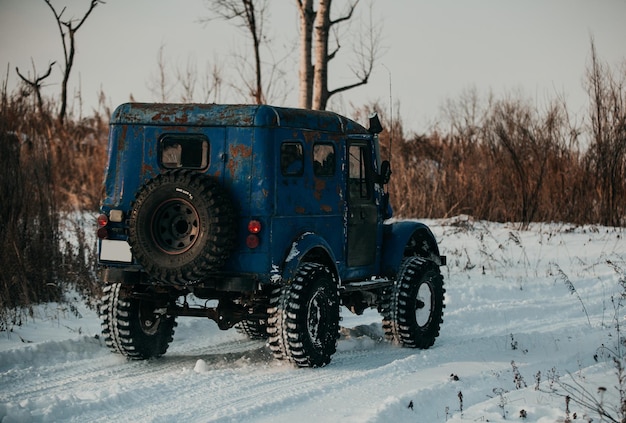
324, 160
186, 152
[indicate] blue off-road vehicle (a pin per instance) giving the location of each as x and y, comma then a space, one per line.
275, 216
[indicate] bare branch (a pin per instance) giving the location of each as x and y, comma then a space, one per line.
69, 52
92, 6
159, 84
35, 84
212, 83
187, 78
250, 15
347, 16
366, 51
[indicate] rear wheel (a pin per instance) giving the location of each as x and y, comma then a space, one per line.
303, 325
413, 307
134, 324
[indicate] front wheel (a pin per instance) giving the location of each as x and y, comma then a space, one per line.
413, 307
135, 324
303, 326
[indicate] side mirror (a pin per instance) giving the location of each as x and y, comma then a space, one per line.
375, 125
385, 172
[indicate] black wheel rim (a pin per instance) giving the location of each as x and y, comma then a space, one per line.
175, 226
148, 320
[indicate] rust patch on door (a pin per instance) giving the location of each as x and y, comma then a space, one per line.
320, 185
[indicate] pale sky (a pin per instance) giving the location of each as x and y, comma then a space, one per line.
434, 49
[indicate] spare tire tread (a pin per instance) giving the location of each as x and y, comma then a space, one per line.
209, 211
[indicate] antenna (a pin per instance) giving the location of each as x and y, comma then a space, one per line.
390, 111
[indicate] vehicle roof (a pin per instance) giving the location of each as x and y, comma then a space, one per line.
232, 115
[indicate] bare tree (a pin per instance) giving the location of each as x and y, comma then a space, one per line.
68, 29
525, 141
159, 84
607, 153
187, 78
35, 84
186, 84
251, 16
210, 82
315, 54
466, 115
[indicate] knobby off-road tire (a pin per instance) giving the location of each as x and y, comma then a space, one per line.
135, 327
181, 226
303, 326
413, 307
253, 329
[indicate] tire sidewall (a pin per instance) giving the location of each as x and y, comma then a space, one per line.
121, 313
321, 300
313, 289
152, 343
399, 304
143, 215
430, 330
174, 256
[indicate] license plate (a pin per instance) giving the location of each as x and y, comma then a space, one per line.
111, 250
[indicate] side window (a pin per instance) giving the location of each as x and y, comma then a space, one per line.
324, 160
291, 159
358, 172
190, 152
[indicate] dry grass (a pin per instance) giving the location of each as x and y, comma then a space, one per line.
513, 164
46, 171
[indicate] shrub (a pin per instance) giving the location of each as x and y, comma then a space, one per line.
47, 170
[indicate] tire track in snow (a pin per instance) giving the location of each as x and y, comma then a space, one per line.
149, 388
53, 375
267, 387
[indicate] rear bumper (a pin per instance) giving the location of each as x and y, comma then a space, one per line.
220, 281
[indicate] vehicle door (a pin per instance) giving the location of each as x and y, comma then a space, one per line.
362, 211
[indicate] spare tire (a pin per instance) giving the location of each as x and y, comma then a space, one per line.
181, 227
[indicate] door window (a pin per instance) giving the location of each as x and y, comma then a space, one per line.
358, 173
324, 160
291, 159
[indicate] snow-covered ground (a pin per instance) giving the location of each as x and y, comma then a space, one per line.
527, 313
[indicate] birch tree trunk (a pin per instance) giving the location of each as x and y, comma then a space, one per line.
307, 17
320, 73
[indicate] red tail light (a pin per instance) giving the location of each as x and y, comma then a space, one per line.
252, 240
103, 221
254, 226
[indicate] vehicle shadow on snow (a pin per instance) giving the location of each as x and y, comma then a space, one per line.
246, 352
362, 346
360, 336
224, 355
